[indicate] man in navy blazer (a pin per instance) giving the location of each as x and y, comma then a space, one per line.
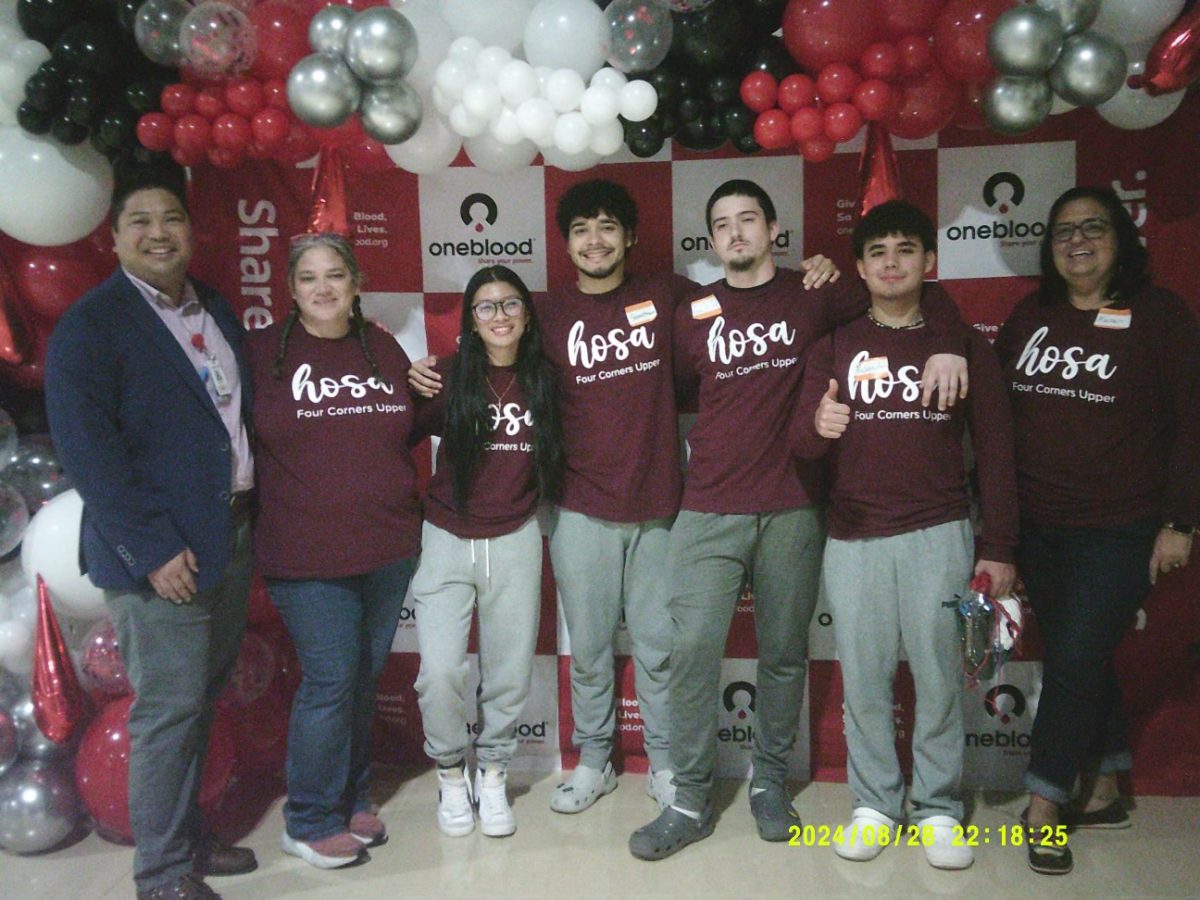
149, 400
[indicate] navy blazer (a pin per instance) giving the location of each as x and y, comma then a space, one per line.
139, 434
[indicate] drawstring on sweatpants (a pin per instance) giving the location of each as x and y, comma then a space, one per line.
487, 558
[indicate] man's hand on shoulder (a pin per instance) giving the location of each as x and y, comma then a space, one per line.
423, 379
819, 270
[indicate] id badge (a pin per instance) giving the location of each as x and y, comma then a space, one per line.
219, 380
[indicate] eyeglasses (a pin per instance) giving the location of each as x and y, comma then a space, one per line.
487, 310
1091, 229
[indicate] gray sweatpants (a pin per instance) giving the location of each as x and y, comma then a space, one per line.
502, 577
884, 592
712, 557
603, 568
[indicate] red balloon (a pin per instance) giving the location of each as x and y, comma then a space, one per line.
796, 92
102, 769
916, 56
210, 103
188, 157
226, 157
1174, 60
50, 279
245, 97
759, 91
156, 131
819, 32
897, 18
297, 146
836, 83
880, 61
281, 29
193, 134
269, 128
772, 129
969, 115
874, 99
842, 122
231, 132
349, 132
367, 158
960, 37
253, 671
275, 94
817, 149
926, 106
807, 123
104, 671
177, 100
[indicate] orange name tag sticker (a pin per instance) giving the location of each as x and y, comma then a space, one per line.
706, 307
641, 313
872, 368
1114, 318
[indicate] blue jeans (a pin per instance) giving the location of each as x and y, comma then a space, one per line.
1086, 586
343, 630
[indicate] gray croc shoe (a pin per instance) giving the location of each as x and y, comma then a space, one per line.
584, 787
773, 811
670, 833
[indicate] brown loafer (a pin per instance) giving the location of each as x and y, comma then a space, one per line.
215, 857
187, 887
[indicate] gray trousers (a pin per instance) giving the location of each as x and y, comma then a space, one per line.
502, 577
603, 569
178, 659
712, 558
884, 593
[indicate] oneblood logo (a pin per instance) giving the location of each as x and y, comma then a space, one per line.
1006, 703
991, 194
479, 210
738, 698
1002, 192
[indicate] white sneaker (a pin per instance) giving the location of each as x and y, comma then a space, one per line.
941, 852
495, 815
867, 834
660, 789
456, 807
583, 788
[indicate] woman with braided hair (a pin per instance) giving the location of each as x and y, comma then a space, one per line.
337, 533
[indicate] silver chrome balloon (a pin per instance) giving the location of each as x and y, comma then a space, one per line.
390, 112
1074, 15
10, 741
381, 45
328, 29
39, 806
322, 91
33, 742
1090, 69
1014, 104
1024, 40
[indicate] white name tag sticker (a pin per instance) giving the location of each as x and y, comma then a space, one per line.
706, 307
872, 368
641, 313
1114, 318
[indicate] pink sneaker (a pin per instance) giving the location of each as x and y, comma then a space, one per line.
332, 852
368, 828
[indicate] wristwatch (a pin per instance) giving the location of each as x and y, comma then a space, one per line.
1186, 530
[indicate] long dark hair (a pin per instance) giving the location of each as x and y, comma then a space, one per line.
469, 423
301, 244
1132, 270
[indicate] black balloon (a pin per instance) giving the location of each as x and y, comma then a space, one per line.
644, 138
45, 20
142, 96
83, 106
738, 121
127, 11
67, 132
45, 91
117, 127
34, 120
722, 89
709, 40
92, 45
666, 84
691, 108
696, 135
770, 55
747, 144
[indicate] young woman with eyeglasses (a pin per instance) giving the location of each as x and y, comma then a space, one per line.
481, 547
1102, 369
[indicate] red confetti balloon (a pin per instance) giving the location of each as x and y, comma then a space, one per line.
104, 671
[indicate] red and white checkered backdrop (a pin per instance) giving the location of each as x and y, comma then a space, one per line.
420, 237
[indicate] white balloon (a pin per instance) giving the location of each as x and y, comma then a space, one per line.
607, 138
506, 127
16, 639
51, 194
452, 76
572, 133
517, 82
1134, 110
481, 99
537, 117
8, 14
1130, 23
600, 104
433, 40
22, 604
564, 89
51, 549
571, 34
441, 101
431, 149
490, 61
638, 100
462, 122
491, 155
569, 162
465, 49
610, 78
495, 22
